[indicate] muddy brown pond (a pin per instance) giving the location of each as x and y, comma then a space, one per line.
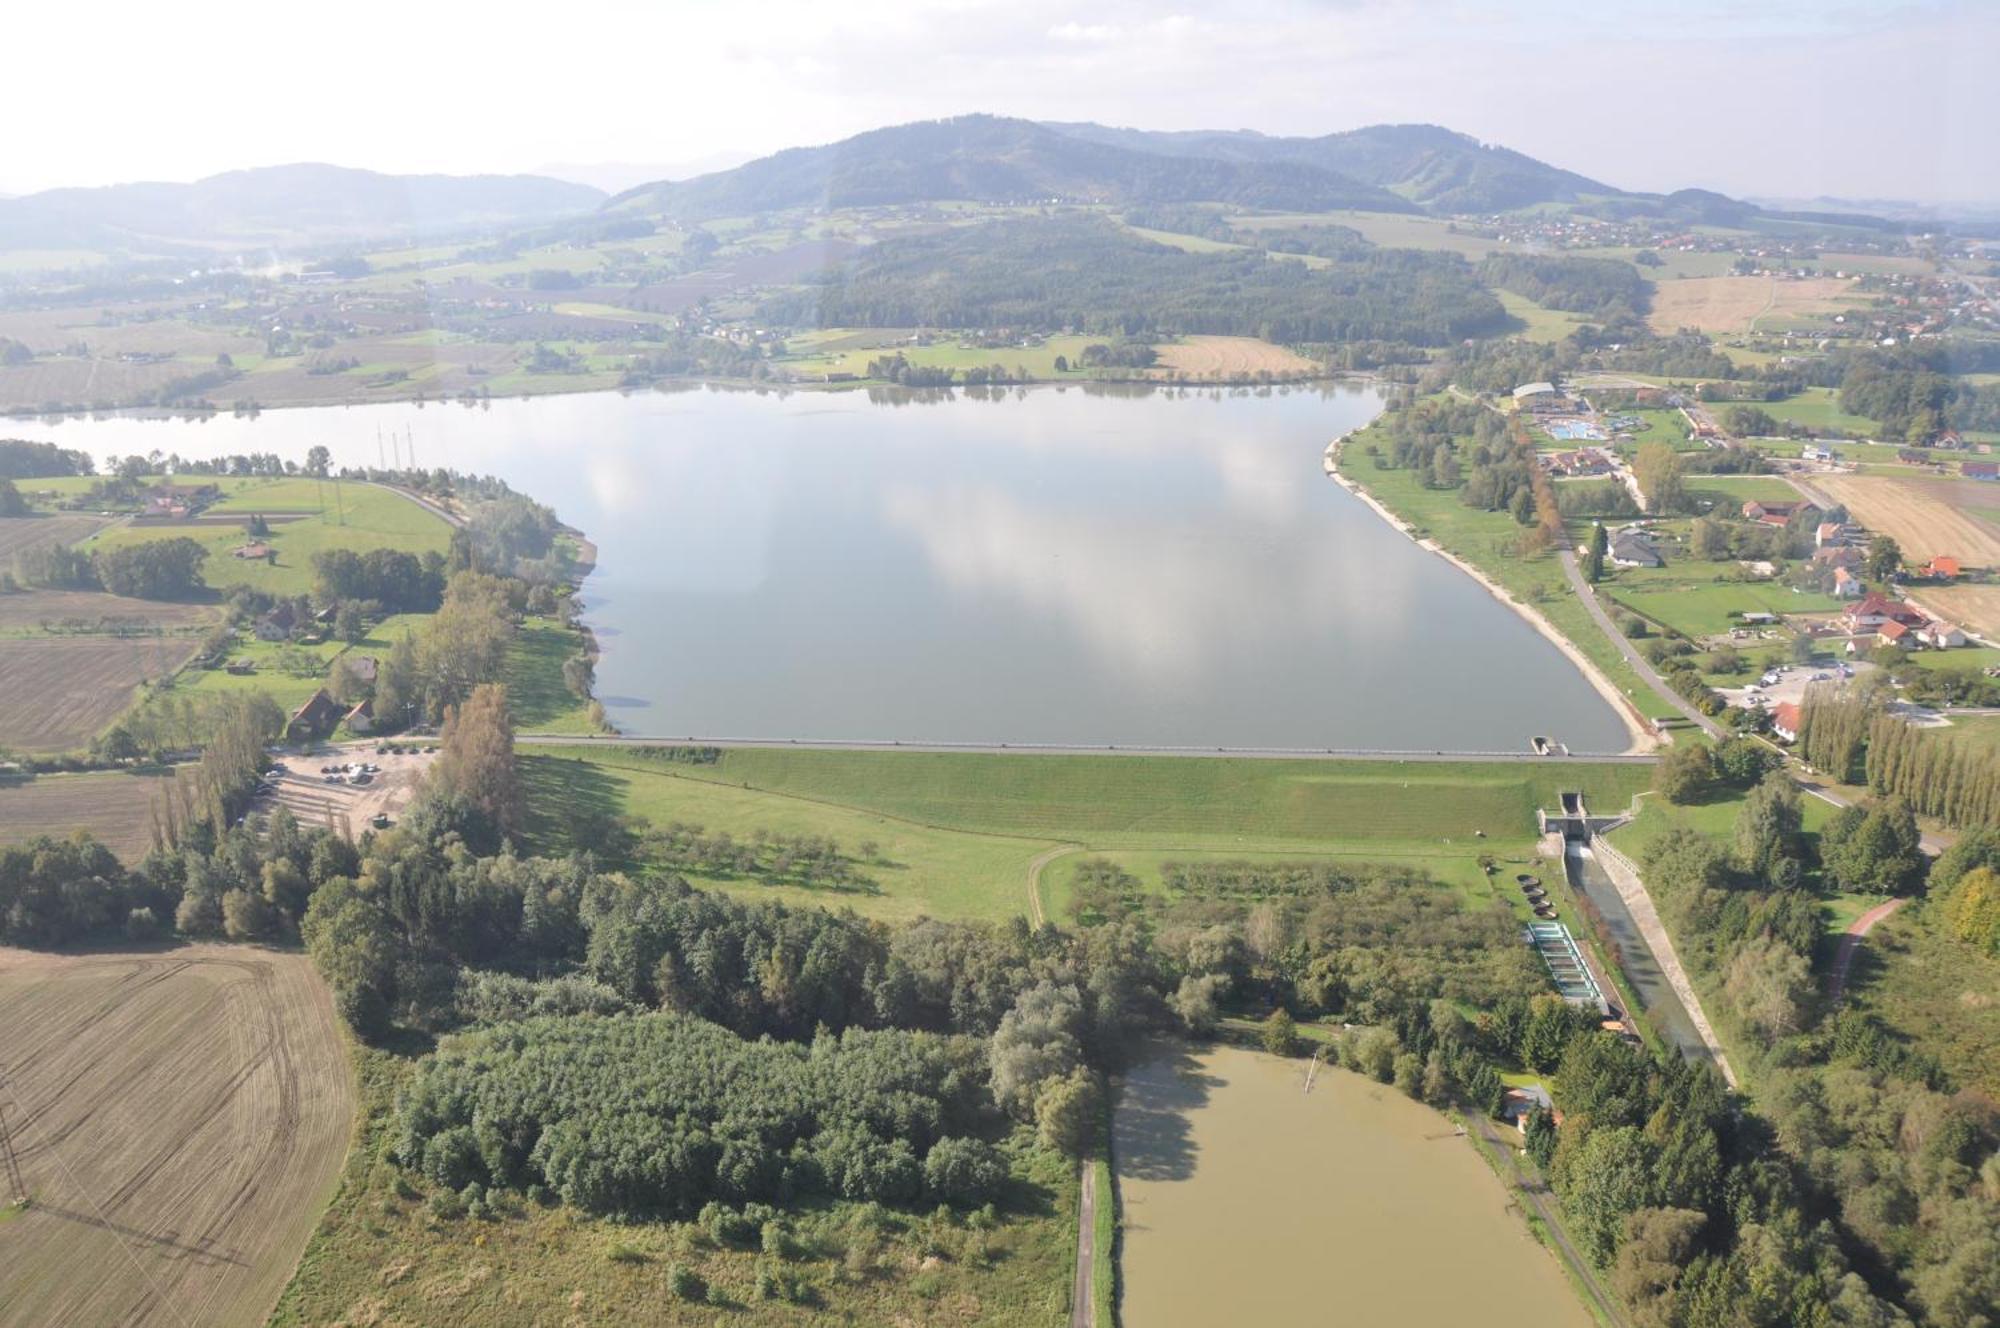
1249, 1201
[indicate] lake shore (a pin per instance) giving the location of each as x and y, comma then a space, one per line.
1643, 739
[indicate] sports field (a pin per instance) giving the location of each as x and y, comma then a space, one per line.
961, 834
180, 1118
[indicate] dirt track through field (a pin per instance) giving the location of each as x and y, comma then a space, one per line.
181, 1117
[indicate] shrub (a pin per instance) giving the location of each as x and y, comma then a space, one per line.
685, 1283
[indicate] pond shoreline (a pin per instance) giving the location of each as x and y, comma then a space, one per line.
1643, 741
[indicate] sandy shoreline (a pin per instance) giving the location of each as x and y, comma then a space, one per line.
1642, 737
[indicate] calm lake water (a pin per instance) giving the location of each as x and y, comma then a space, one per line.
1037, 566
1249, 1201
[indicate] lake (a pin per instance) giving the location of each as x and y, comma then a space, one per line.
1049, 565
1249, 1201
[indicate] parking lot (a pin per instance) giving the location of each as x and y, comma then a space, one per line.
323, 787
1791, 683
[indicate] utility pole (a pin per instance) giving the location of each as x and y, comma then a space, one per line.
20, 1191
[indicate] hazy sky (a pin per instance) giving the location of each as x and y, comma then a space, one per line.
1783, 97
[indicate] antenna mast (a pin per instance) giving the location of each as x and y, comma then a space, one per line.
20, 1191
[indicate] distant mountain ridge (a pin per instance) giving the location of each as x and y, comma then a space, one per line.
302, 203
1439, 169
985, 158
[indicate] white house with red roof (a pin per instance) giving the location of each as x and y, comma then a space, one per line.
1787, 718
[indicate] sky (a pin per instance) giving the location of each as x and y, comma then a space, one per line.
1784, 98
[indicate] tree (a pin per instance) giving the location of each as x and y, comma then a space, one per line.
1769, 826
154, 569
1194, 1002
1656, 1250
1661, 474
1602, 1182
1038, 1040
1068, 1111
1686, 773
1885, 558
1281, 1034
11, 501
347, 622
476, 758
1769, 984
1876, 848
1593, 562
1709, 539
319, 460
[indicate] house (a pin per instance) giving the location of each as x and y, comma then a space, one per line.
1941, 635
1846, 585
362, 668
278, 624
361, 719
1892, 634
1584, 461
1770, 513
1942, 567
1980, 470
1517, 1104
314, 719
1948, 440
1814, 452
179, 500
1837, 555
1872, 611
1829, 534
1635, 548
1787, 718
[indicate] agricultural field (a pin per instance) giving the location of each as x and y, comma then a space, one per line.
58, 692
117, 808
35, 612
1926, 517
849, 352
1817, 409
325, 516
1231, 357
181, 1117
19, 534
1740, 304
962, 835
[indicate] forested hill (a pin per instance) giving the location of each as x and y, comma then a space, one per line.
1437, 168
305, 203
989, 159
1090, 273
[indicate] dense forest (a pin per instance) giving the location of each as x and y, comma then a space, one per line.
1090, 273
1604, 288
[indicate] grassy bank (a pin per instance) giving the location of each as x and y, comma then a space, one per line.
955, 834
1490, 541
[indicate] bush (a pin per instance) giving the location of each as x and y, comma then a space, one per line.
685, 1283
964, 1171
1281, 1034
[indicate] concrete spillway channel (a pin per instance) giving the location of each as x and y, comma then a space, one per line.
1656, 995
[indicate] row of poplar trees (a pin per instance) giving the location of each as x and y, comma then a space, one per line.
1856, 742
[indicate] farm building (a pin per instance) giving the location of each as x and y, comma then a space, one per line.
1772, 513
278, 624
362, 668
361, 719
1980, 470
1837, 555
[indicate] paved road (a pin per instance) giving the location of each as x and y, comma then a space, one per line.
1536, 1195
1632, 656
1059, 749
1850, 942
1082, 1294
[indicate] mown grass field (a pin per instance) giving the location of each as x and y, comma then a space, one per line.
1539, 323
957, 833
536, 694
1679, 597
347, 516
1491, 541
379, 1257
1818, 409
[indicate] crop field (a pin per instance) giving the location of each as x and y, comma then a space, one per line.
57, 692
1231, 357
181, 1117
849, 352
1737, 304
116, 808
1926, 517
962, 834
18, 534
345, 516
26, 612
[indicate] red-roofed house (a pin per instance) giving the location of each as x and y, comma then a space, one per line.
1942, 567
1892, 634
1771, 513
1787, 717
1874, 609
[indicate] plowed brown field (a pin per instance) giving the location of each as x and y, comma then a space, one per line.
181, 1118
57, 692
